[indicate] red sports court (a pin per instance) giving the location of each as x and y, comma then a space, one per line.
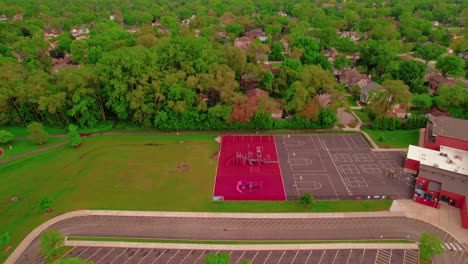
248, 169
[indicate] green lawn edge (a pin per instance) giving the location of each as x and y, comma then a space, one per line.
62, 251
236, 242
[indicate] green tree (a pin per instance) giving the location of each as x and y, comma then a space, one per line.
356, 92
50, 241
430, 51
5, 137
307, 199
79, 51
276, 53
341, 62
235, 29
412, 73
421, 101
220, 258
393, 92
5, 239
450, 65
75, 139
453, 96
381, 138
429, 246
37, 133
75, 260
45, 203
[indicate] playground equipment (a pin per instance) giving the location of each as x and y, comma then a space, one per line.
249, 158
245, 186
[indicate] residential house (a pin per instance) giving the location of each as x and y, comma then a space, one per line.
203, 97
436, 23
424, 43
351, 77
463, 55
436, 81
53, 45
80, 32
267, 66
354, 57
221, 36
331, 54
3, 18
249, 80
354, 36
50, 33
366, 89
398, 110
256, 33
242, 43
17, 17
186, 22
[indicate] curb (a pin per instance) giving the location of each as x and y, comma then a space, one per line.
84, 243
41, 228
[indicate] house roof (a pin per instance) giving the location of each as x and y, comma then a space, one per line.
351, 76
435, 77
463, 55
256, 92
448, 159
370, 86
449, 127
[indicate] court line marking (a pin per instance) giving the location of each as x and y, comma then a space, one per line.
305, 153
279, 166
339, 173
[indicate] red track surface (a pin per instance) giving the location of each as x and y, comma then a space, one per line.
231, 170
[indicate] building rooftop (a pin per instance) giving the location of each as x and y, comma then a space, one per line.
449, 159
449, 127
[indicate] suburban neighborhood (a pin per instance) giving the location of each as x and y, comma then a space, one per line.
218, 132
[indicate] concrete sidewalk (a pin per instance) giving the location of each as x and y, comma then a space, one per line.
446, 217
242, 247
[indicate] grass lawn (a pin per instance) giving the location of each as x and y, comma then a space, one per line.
394, 139
128, 172
351, 101
362, 115
235, 242
59, 254
22, 146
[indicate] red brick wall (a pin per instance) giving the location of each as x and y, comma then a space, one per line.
412, 164
444, 141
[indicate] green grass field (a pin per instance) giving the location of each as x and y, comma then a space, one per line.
362, 115
351, 101
128, 172
394, 139
22, 146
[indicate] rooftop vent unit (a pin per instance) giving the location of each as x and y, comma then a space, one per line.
436, 165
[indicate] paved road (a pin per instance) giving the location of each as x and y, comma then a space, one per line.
175, 256
241, 229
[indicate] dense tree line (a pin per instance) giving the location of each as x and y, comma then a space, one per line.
154, 78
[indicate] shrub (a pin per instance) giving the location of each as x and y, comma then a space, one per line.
37, 133
75, 139
45, 203
307, 199
5, 137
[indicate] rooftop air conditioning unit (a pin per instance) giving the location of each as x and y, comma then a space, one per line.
436, 165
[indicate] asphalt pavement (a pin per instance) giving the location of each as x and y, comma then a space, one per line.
203, 228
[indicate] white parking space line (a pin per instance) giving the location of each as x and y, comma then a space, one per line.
106, 255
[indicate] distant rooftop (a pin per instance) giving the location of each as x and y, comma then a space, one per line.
450, 127
449, 159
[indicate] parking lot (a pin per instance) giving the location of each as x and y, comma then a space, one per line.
339, 167
175, 256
